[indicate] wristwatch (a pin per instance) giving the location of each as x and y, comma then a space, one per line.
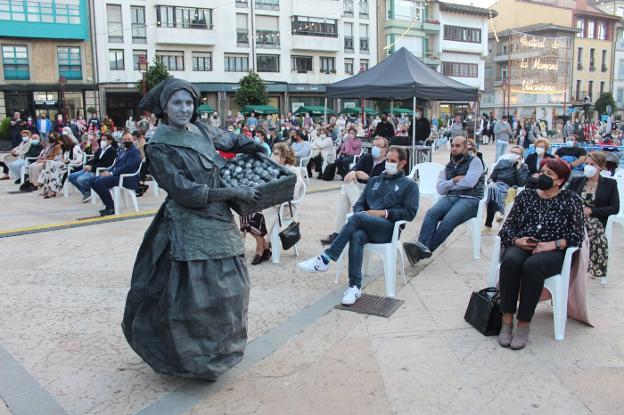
558, 244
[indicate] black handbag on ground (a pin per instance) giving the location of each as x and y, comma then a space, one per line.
291, 235
483, 312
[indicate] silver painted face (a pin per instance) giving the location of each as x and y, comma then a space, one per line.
179, 109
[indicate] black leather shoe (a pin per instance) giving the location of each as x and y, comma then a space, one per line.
266, 255
416, 251
329, 239
107, 212
256, 259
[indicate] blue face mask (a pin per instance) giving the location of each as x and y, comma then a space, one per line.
376, 152
569, 143
35, 142
257, 140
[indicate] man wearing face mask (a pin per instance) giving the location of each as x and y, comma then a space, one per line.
462, 184
260, 138
127, 162
573, 155
386, 199
384, 128
423, 128
369, 165
104, 157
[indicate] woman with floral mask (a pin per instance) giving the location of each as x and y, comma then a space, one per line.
600, 199
541, 225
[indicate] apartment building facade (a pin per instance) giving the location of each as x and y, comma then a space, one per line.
47, 61
296, 47
616, 8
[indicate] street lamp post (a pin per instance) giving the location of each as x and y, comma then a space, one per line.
143, 70
62, 83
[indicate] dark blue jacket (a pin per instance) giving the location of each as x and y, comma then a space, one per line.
127, 163
397, 194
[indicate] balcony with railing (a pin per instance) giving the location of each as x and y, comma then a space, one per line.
364, 9
364, 44
242, 3
347, 10
603, 68
348, 43
267, 4
242, 37
268, 39
578, 97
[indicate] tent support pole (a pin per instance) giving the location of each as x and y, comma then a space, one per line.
325, 110
413, 133
362, 111
392, 108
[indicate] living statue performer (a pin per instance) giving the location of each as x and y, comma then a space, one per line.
186, 312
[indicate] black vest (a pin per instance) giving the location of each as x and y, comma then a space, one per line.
461, 169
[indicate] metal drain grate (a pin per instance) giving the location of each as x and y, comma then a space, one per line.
373, 305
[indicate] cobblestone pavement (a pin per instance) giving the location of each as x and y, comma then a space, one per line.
61, 347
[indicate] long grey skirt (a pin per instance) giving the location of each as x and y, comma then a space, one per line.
186, 318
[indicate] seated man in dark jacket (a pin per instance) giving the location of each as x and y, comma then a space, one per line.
387, 198
369, 165
104, 157
126, 163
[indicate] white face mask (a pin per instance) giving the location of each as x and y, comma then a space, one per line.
590, 171
392, 168
540, 151
103, 144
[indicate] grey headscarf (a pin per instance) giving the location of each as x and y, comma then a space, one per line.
156, 99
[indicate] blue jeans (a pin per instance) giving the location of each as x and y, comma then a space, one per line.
500, 149
359, 230
443, 217
16, 167
101, 185
80, 180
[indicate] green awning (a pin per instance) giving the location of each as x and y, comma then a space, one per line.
400, 111
314, 110
357, 110
260, 109
205, 108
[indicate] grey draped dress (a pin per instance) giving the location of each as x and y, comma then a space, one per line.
186, 311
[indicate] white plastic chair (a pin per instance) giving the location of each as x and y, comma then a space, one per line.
276, 242
98, 170
70, 170
613, 219
558, 286
428, 174
303, 166
475, 225
117, 197
28, 162
388, 253
356, 158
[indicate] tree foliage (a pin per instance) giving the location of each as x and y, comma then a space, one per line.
252, 91
601, 103
4, 128
156, 73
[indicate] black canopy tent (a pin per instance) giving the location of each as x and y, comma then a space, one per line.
401, 76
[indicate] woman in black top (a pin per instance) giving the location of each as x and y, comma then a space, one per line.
600, 200
534, 160
539, 228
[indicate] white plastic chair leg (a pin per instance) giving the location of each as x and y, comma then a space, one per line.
558, 287
276, 245
116, 199
93, 197
367, 263
66, 187
132, 194
389, 260
476, 238
156, 188
401, 255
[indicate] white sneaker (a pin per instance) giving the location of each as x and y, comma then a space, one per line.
315, 264
351, 295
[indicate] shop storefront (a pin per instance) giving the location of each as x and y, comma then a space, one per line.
34, 100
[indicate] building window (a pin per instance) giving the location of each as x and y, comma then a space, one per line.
591, 29
364, 37
328, 64
114, 23
590, 90
462, 34
364, 9
592, 61
183, 17
69, 62
15, 62
603, 67
267, 4
348, 36
620, 97
579, 59
236, 63
347, 7
580, 25
348, 66
602, 87
137, 14
173, 61
50, 11
302, 64
602, 31
116, 59
136, 56
405, 10
267, 63
460, 69
579, 93
242, 33
267, 32
242, 3
312, 26
363, 65
202, 61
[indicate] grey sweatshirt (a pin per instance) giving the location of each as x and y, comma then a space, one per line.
502, 131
